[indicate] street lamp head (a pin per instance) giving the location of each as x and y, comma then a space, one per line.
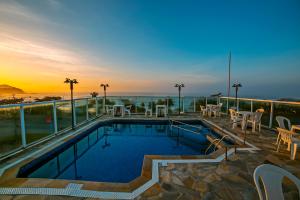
67, 80
179, 85
75, 81
104, 85
237, 85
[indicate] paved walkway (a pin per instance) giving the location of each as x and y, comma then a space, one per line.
226, 180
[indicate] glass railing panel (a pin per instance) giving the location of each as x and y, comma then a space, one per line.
141, 103
80, 110
92, 107
266, 115
10, 129
129, 103
188, 104
244, 105
172, 103
100, 105
200, 101
290, 111
64, 115
224, 104
39, 121
212, 100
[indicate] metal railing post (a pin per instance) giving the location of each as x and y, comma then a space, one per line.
194, 104
103, 104
74, 113
22, 121
251, 105
87, 109
54, 117
271, 115
135, 104
227, 104
97, 112
167, 105
182, 104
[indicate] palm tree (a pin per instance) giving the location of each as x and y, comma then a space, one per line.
236, 85
179, 86
104, 100
71, 82
94, 94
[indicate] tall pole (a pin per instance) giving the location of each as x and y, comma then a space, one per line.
229, 77
104, 100
71, 82
179, 89
72, 105
179, 86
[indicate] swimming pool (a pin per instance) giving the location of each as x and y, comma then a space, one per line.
114, 151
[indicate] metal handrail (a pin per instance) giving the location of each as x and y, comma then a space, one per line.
221, 141
212, 143
185, 124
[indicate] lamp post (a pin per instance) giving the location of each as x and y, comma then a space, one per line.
236, 85
179, 86
104, 100
71, 82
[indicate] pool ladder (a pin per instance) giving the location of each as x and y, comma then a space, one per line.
216, 142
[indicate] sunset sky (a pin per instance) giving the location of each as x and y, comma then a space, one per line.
147, 46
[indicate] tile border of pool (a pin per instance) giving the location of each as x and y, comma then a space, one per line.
150, 172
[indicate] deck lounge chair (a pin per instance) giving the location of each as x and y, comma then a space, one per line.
271, 177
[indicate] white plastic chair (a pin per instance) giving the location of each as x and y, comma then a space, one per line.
127, 110
281, 123
271, 177
235, 118
255, 120
287, 137
109, 109
203, 110
148, 109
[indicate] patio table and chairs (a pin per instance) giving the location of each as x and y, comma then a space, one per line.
161, 109
251, 118
214, 109
118, 107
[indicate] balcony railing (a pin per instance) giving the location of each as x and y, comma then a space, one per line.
22, 125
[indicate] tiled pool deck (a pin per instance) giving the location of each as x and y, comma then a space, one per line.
230, 179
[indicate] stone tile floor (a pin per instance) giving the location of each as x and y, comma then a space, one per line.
230, 179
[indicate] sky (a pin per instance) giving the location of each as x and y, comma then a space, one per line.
148, 46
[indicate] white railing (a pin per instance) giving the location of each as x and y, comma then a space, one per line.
16, 122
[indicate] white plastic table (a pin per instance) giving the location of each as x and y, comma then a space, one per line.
163, 107
245, 115
115, 107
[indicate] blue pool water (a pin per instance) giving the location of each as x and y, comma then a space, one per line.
114, 152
